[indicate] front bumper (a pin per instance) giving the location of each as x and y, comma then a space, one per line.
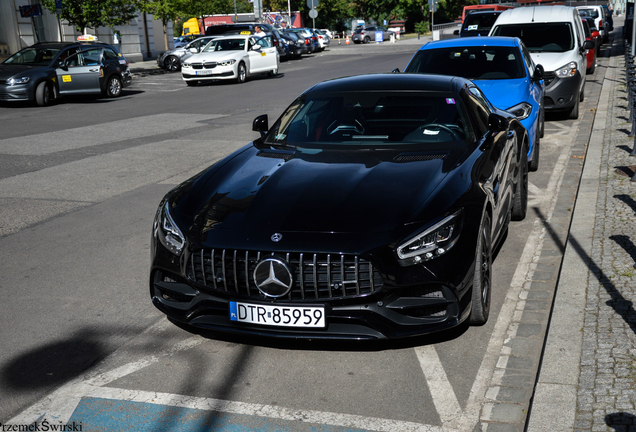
561, 93
219, 72
406, 302
16, 93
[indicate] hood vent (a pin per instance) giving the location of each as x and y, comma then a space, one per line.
418, 157
276, 155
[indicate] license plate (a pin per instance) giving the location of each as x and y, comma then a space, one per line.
204, 72
285, 316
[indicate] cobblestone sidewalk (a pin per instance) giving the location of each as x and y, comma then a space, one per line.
607, 383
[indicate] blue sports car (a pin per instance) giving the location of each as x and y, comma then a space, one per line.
502, 68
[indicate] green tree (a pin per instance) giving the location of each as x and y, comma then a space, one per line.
84, 14
166, 11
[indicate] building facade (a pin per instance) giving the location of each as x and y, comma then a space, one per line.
142, 39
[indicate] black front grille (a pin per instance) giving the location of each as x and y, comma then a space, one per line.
418, 157
203, 65
548, 77
316, 276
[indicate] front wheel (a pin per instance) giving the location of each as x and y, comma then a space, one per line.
241, 73
520, 199
113, 88
574, 113
482, 281
43, 94
366, 39
172, 64
534, 164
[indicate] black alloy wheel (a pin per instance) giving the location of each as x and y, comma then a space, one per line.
520, 200
173, 64
482, 280
534, 164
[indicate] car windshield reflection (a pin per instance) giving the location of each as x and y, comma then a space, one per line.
33, 56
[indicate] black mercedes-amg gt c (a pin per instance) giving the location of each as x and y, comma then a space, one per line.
369, 210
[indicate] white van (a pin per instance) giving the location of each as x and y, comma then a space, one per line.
555, 37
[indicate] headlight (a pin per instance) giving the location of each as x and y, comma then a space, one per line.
566, 71
186, 65
21, 80
521, 111
227, 63
167, 231
433, 242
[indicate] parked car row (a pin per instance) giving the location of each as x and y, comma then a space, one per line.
290, 43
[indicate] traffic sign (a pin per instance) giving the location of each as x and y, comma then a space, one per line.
313, 14
312, 4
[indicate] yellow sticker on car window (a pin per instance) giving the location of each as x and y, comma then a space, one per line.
66, 78
263, 54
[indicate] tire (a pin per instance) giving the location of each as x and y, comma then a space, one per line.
482, 281
191, 83
534, 165
241, 73
273, 73
520, 200
43, 94
172, 64
582, 94
574, 113
366, 39
542, 126
113, 87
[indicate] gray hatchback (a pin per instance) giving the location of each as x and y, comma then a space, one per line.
368, 34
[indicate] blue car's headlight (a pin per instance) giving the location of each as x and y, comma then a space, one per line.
20, 80
167, 231
521, 111
432, 242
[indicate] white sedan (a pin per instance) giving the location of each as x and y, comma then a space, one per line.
232, 57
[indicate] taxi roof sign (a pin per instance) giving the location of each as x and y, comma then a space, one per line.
87, 38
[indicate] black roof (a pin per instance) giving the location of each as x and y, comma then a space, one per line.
393, 81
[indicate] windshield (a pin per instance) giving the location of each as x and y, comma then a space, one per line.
225, 45
540, 37
480, 22
589, 12
482, 63
33, 56
372, 119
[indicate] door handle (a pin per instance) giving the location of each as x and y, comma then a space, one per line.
94, 70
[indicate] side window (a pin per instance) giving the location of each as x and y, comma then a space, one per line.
91, 57
109, 54
65, 55
265, 42
527, 59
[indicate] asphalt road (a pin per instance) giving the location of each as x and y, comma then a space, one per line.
79, 186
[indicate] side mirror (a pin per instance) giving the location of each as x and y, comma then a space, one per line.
497, 122
396, 70
588, 45
194, 50
539, 73
62, 65
456, 32
260, 124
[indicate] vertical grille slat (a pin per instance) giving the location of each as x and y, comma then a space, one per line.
317, 277
301, 276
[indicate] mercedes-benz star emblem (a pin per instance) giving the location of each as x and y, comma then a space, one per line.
276, 237
273, 277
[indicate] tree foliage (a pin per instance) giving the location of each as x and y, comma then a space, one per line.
97, 13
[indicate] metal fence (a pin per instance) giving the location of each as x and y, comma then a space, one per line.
445, 31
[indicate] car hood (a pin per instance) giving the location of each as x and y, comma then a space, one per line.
327, 192
215, 56
505, 94
9, 70
175, 51
552, 61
